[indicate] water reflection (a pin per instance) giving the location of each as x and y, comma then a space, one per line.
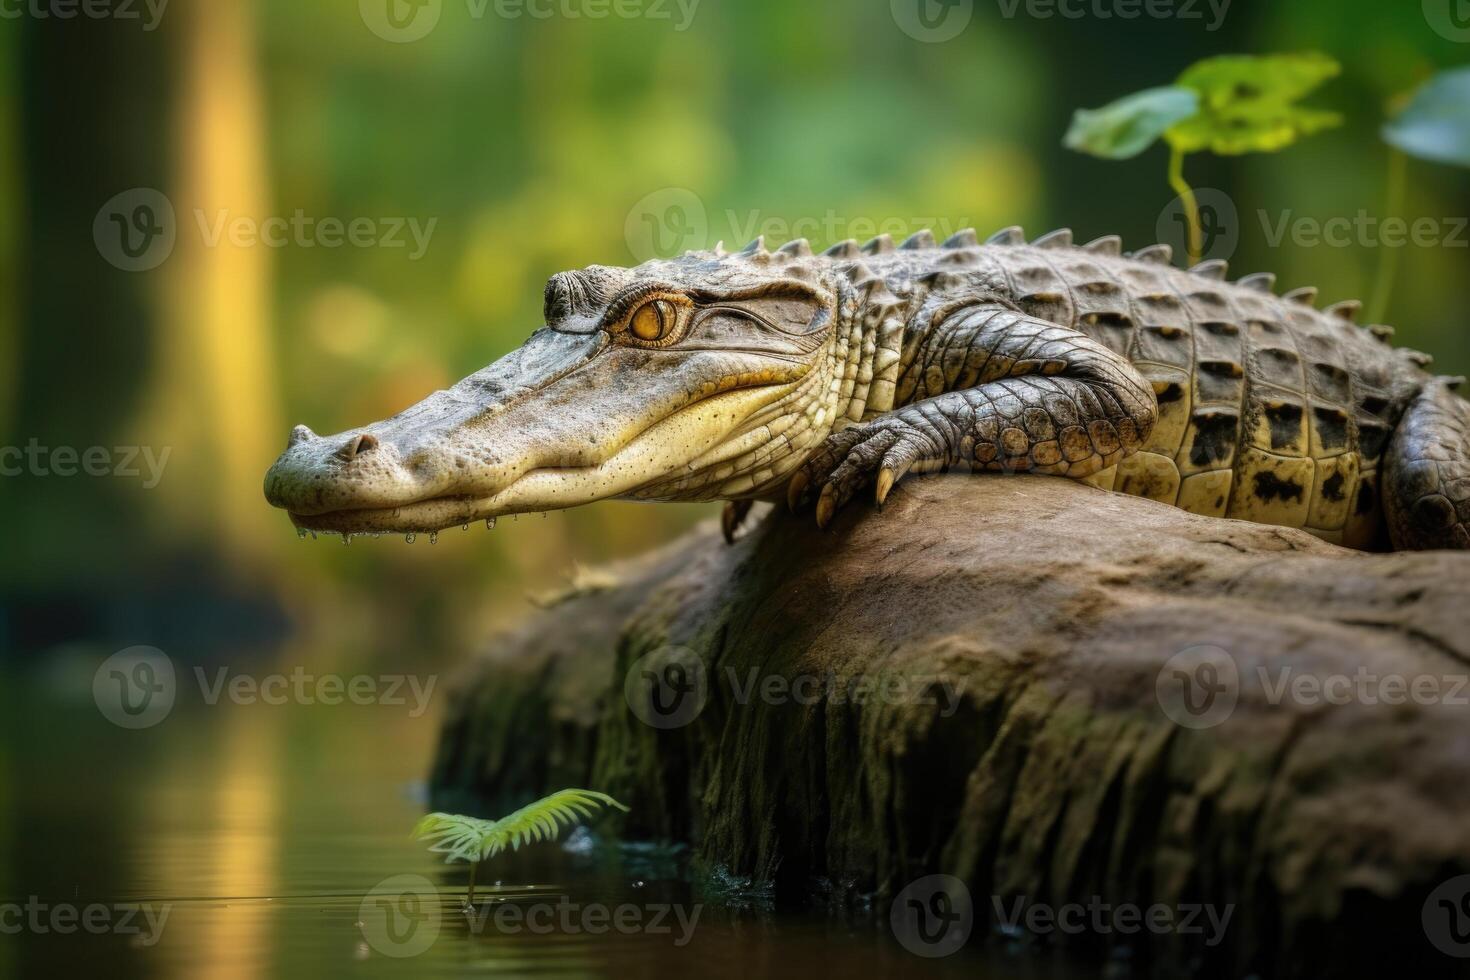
273, 839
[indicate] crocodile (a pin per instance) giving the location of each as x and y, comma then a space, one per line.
763, 374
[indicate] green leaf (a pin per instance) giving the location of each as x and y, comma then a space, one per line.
1248, 103
1436, 124
1127, 127
473, 839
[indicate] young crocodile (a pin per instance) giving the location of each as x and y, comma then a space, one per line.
764, 374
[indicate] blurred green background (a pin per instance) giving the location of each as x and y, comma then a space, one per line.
533, 143
537, 137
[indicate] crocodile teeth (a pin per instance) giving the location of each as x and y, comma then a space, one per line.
719, 249
1306, 296
1106, 245
1261, 282
797, 247
1346, 310
877, 246
1014, 235
846, 249
964, 238
1061, 238
918, 240
756, 247
1160, 254
1212, 269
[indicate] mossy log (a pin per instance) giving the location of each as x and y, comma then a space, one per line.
1032, 633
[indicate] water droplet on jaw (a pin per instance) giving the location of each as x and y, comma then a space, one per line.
433, 537
346, 538
301, 533
465, 526
409, 537
489, 523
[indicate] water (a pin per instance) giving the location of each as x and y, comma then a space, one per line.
273, 840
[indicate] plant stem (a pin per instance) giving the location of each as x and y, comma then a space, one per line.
470, 899
1388, 258
1186, 198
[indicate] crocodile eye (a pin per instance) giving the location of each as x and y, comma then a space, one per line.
653, 321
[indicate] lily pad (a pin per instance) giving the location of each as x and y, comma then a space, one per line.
1436, 124
1248, 103
1127, 127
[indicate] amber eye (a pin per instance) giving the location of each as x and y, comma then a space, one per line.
653, 321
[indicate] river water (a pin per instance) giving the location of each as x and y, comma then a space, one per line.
237, 837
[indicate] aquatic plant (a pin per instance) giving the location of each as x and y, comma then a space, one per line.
1227, 105
472, 839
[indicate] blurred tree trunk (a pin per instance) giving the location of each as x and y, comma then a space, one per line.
212, 389
88, 125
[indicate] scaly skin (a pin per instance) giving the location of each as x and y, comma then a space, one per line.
767, 374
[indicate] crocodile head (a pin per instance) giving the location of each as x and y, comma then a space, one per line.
698, 378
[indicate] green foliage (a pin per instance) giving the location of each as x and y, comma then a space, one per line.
1132, 124
1248, 103
464, 838
1436, 123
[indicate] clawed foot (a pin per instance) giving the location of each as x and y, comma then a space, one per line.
880, 453
733, 516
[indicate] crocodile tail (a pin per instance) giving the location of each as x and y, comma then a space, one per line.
1427, 471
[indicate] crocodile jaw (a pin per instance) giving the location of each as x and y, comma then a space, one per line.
651, 456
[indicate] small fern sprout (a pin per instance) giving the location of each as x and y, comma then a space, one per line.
472, 839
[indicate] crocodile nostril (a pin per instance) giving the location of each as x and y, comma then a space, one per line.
357, 445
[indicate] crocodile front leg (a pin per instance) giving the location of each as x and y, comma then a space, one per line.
992, 389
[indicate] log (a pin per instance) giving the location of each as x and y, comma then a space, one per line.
1056, 695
